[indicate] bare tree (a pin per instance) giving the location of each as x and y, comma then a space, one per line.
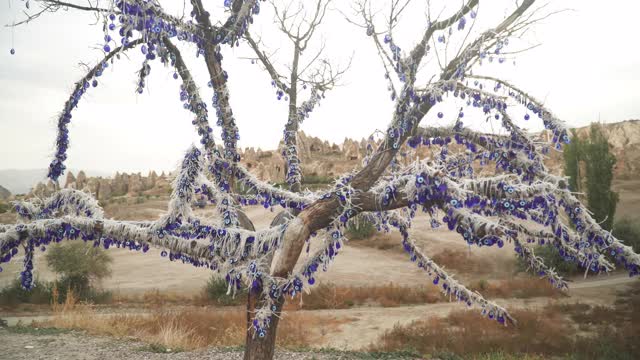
522, 202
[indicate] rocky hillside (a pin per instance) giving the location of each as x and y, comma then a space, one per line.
105, 188
323, 161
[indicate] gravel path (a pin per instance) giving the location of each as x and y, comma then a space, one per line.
73, 345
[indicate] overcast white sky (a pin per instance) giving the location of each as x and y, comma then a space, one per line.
588, 68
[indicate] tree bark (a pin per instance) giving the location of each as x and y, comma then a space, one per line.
257, 348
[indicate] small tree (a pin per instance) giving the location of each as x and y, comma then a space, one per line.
572, 157
79, 265
600, 163
484, 210
629, 230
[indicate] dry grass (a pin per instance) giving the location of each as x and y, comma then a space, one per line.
578, 331
467, 333
330, 296
520, 288
156, 298
188, 329
463, 262
381, 241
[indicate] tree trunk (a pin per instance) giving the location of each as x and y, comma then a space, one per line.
260, 348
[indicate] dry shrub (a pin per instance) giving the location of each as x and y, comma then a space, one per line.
520, 288
330, 296
69, 303
467, 333
605, 332
463, 262
156, 298
381, 241
188, 329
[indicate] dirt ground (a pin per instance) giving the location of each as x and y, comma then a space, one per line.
41, 345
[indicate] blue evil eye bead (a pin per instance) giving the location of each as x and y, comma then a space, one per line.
454, 202
462, 23
312, 281
436, 280
163, 253
112, 17
12, 51
527, 117
175, 76
441, 38
106, 48
112, 27
461, 114
387, 39
440, 115
94, 83
500, 243
420, 180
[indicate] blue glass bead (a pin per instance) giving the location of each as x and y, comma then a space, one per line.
527, 117
94, 83
106, 48
440, 115
12, 51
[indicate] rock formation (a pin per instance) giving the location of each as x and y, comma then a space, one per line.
324, 161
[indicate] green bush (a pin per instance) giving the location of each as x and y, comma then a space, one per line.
551, 257
77, 259
42, 293
360, 228
82, 290
629, 232
79, 266
14, 294
216, 291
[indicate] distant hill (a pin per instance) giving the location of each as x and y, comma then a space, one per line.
4, 193
21, 181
